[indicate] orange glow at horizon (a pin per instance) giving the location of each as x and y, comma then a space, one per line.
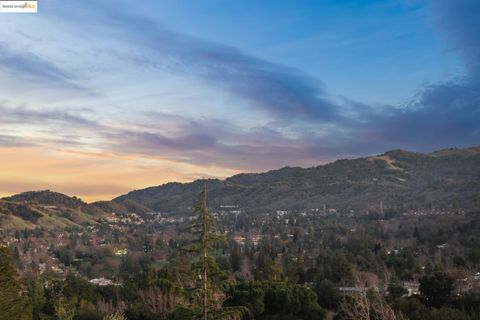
92, 176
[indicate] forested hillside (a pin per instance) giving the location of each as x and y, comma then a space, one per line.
399, 179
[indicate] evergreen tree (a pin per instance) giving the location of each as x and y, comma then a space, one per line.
13, 305
396, 290
63, 309
436, 288
37, 298
207, 296
236, 257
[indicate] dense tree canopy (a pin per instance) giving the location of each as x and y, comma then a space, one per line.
436, 287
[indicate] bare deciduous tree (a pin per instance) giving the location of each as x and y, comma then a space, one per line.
367, 307
159, 301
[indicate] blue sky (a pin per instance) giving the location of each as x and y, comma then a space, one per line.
176, 90
352, 46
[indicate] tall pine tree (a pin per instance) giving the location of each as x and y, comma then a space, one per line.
13, 304
206, 297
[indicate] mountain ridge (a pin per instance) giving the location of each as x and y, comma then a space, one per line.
399, 179
394, 176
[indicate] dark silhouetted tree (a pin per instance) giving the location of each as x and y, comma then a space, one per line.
13, 304
436, 287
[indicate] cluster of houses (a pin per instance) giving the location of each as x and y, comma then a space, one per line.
471, 283
463, 286
128, 219
103, 282
254, 239
434, 212
412, 288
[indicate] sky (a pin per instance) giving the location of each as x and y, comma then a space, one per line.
98, 98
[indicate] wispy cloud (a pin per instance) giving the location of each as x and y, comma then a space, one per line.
13, 141
283, 92
22, 115
205, 142
27, 66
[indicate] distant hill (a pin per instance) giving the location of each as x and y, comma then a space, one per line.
47, 198
51, 210
398, 179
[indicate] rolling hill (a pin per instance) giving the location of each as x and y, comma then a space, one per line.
53, 210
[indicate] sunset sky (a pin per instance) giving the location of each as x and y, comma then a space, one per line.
101, 97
